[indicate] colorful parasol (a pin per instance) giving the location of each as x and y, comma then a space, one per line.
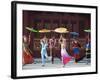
44, 31
74, 33
88, 30
31, 29
61, 30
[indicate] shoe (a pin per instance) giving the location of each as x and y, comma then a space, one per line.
43, 65
75, 62
63, 66
34, 62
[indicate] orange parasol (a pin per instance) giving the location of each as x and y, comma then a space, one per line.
44, 31
61, 30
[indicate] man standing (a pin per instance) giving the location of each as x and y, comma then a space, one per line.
52, 43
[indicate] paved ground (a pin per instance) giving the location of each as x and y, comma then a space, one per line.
57, 64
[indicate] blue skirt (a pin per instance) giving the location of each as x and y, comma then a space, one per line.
76, 50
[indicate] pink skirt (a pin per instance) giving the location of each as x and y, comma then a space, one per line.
65, 57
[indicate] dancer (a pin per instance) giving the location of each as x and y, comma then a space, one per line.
44, 45
88, 48
52, 43
26, 57
76, 51
64, 54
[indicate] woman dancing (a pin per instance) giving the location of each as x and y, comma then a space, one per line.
44, 45
64, 54
27, 57
76, 49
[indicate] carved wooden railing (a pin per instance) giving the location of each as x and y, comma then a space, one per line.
57, 50
37, 46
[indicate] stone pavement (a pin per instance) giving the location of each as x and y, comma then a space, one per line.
57, 64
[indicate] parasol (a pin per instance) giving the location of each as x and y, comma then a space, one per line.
74, 33
44, 31
88, 30
31, 29
61, 30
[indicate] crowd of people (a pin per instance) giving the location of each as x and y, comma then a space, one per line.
50, 43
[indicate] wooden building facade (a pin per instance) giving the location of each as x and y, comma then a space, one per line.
74, 22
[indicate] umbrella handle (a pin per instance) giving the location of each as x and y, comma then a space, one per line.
29, 38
